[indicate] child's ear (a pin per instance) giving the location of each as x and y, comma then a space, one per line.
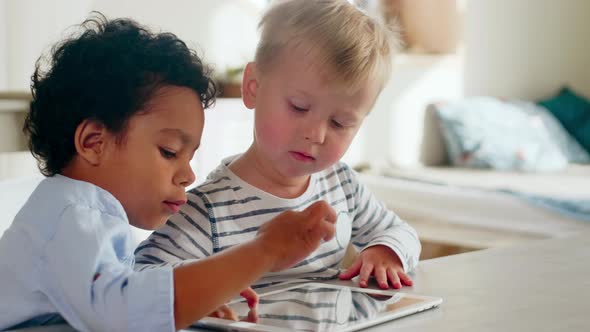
250, 85
90, 140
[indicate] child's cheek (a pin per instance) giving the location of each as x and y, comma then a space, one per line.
336, 150
272, 133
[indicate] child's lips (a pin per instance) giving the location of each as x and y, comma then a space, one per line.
301, 156
174, 206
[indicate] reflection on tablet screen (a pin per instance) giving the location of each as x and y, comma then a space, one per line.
317, 308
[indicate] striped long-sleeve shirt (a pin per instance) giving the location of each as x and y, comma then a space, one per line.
225, 211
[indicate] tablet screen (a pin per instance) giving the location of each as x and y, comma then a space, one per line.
317, 307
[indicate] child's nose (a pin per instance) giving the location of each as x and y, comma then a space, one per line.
186, 176
315, 132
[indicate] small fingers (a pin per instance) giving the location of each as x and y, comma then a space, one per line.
320, 219
352, 271
322, 210
364, 275
381, 277
224, 312
328, 230
251, 297
252, 316
405, 279
393, 278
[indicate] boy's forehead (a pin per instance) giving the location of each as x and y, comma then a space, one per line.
174, 112
314, 77
312, 61
178, 133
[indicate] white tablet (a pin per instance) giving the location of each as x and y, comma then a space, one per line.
323, 307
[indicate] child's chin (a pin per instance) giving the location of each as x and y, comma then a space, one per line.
150, 225
302, 173
159, 222
295, 172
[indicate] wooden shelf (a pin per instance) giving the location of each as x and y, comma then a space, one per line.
13, 106
14, 101
15, 95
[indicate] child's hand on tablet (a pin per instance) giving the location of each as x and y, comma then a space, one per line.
381, 262
252, 298
225, 312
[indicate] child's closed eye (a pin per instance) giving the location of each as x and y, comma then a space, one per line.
167, 154
337, 124
299, 108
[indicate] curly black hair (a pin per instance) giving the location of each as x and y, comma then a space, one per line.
105, 73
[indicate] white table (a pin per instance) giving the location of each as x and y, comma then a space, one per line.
539, 286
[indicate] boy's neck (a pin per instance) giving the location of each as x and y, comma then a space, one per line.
256, 173
77, 172
80, 170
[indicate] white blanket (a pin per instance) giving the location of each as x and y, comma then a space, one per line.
449, 195
573, 182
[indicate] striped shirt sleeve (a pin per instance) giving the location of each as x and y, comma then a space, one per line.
374, 224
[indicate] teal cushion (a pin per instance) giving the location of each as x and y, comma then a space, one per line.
485, 132
573, 112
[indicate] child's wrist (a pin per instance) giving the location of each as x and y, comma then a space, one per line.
264, 254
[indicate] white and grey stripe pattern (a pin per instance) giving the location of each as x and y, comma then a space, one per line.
225, 211
314, 309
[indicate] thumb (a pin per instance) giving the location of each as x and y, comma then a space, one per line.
321, 210
352, 271
251, 297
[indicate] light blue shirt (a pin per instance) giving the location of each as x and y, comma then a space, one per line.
69, 253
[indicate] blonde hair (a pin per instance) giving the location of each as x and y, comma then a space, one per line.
352, 45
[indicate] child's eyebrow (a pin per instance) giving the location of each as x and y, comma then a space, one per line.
302, 92
184, 137
347, 115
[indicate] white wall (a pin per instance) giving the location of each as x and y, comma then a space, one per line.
393, 132
224, 31
3, 60
512, 48
32, 26
526, 48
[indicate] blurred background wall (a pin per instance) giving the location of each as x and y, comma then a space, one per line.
523, 49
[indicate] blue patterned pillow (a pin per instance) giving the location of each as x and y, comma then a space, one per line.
484, 132
573, 111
